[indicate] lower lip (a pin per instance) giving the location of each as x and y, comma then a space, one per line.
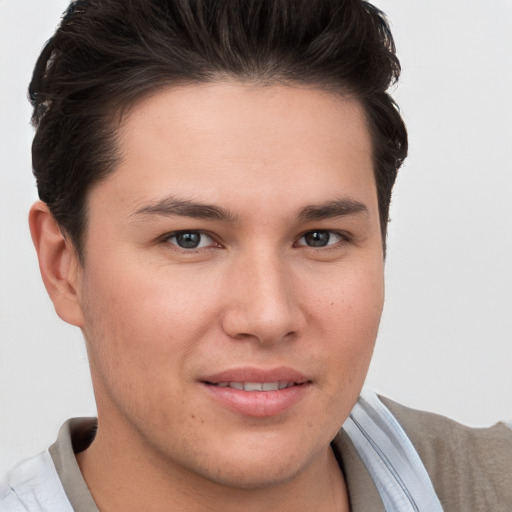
259, 404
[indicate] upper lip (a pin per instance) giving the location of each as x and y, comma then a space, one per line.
253, 374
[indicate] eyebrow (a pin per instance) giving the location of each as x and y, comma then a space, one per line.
172, 206
332, 209
184, 208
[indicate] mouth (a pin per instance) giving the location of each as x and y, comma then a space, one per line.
257, 392
255, 386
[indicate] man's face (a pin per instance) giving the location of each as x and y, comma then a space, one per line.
237, 245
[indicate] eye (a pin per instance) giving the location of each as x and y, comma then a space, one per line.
191, 240
320, 238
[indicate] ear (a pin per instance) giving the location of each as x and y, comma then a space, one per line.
58, 264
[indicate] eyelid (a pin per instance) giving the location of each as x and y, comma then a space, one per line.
344, 238
173, 234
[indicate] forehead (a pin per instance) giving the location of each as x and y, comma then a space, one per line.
246, 143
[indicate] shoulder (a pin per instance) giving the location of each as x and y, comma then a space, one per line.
470, 468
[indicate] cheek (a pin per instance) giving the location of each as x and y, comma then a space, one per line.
137, 296
343, 324
139, 322
347, 315
349, 302
140, 333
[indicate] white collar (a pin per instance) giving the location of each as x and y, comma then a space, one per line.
388, 454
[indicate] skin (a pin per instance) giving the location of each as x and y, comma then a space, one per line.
158, 318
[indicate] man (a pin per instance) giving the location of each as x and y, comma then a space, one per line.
215, 180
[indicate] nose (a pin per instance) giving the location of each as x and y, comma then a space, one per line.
263, 302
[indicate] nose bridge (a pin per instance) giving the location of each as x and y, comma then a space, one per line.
263, 303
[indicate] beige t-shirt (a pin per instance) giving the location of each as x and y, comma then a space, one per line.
470, 469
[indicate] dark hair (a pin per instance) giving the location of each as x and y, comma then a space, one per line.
107, 53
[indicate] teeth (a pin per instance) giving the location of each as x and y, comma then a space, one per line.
256, 386
253, 386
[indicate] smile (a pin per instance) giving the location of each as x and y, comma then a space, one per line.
258, 393
255, 386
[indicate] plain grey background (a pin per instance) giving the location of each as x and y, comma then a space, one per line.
445, 342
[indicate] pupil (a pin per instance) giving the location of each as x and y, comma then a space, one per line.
317, 238
188, 240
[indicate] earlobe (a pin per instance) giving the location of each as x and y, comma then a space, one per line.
58, 264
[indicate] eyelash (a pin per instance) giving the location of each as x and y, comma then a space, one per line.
343, 238
167, 239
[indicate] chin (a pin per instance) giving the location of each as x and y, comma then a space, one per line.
251, 475
251, 463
